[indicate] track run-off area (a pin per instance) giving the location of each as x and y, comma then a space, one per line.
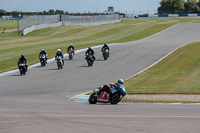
39, 102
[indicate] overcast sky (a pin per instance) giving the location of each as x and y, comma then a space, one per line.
129, 6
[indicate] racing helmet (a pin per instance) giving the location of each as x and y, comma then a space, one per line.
42, 50
58, 50
120, 81
22, 55
105, 44
71, 44
106, 87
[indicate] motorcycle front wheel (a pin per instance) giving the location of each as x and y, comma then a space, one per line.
92, 99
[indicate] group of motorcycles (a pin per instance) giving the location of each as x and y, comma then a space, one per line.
59, 60
103, 96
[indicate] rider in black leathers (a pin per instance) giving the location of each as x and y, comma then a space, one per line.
43, 52
23, 60
59, 53
90, 51
105, 47
70, 47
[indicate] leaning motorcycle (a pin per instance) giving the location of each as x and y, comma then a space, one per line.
71, 51
59, 62
102, 96
43, 60
22, 68
90, 60
105, 54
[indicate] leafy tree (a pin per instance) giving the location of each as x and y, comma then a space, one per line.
191, 4
44, 12
59, 12
198, 3
171, 6
2, 12
66, 12
16, 12
51, 11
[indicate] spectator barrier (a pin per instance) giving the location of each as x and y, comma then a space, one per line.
31, 23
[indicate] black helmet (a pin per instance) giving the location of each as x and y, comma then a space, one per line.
89, 48
22, 55
105, 44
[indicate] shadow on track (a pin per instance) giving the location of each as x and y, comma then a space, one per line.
53, 69
83, 66
101, 59
15, 75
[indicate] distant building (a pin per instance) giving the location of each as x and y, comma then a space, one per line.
111, 9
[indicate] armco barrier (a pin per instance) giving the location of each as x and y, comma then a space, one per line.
162, 15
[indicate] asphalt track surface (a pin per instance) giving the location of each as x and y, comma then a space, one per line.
39, 102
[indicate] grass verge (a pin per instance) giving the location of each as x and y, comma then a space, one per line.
50, 39
179, 73
126, 100
10, 24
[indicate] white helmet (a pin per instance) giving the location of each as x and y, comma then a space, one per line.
42, 50
71, 44
58, 50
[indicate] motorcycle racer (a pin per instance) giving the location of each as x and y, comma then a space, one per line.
70, 47
105, 47
90, 51
118, 86
59, 53
23, 60
43, 52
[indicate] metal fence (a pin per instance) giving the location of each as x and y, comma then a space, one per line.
2, 19
89, 18
37, 19
31, 21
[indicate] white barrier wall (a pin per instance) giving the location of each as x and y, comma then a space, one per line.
41, 26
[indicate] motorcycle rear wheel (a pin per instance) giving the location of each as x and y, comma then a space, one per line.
115, 98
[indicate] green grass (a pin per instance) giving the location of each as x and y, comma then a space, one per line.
10, 24
126, 100
179, 73
13, 45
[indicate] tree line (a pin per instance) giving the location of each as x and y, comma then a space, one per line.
179, 6
50, 12
13, 13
